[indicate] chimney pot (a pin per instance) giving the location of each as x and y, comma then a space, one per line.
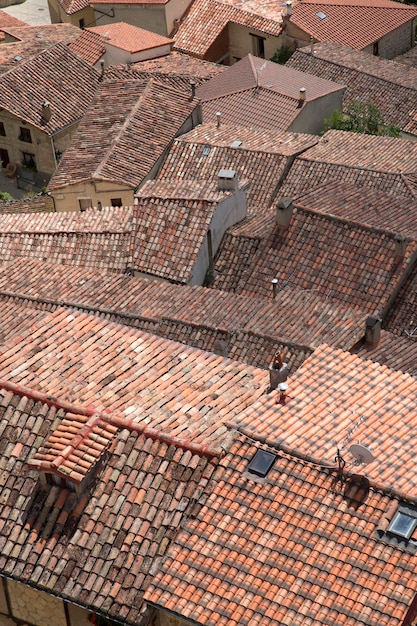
274, 283
372, 331
193, 85
218, 116
278, 372
284, 213
289, 8
302, 97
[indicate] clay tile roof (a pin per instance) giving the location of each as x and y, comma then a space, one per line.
248, 330
260, 156
363, 205
172, 219
384, 163
390, 86
396, 352
255, 92
401, 318
297, 547
357, 24
43, 74
73, 6
89, 45
337, 399
35, 204
106, 146
7, 20
93, 239
129, 37
173, 388
141, 493
206, 19
338, 258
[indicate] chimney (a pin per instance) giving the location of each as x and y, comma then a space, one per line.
372, 331
102, 69
289, 8
311, 44
274, 283
302, 97
282, 398
227, 180
284, 212
278, 371
46, 111
218, 116
193, 86
400, 246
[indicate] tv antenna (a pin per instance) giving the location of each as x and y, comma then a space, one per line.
362, 454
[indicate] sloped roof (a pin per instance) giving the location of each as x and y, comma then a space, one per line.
384, 163
182, 391
396, 352
101, 548
33, 204
363, 205
7, 20
96, 239
298, 547
73, 6
39, 79
206, 19
89, 45
129, 37
390, 86
336, 399
260, 156
402, 316
124, 132
172, 219
255, 92
337, 257
246, 329
357, 24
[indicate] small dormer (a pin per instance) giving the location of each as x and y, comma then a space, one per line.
73, 453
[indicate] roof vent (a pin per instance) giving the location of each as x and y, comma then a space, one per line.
284, 213
218, 116
227, 180
302, 97
193, 86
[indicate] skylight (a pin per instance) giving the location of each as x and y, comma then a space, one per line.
206, 150
321, 15
403, 523
261, 463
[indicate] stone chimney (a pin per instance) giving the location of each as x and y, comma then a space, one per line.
46, 111
372, 331
400, 247
302, 97
284, 213
227, 180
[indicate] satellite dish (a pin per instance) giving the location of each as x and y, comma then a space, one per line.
361, 453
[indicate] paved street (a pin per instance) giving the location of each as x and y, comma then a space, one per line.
32, 12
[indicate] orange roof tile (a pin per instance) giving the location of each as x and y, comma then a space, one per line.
396, 352
295, 547
129, 37
89, 45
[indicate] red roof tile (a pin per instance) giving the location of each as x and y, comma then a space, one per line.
357, 24
396, 352
129, 37
89, 45
296, 547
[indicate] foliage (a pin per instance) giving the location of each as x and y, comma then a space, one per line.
282, 55
363, 118
5, 197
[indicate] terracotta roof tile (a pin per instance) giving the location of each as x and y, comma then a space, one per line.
397, 353
170, 387
43, 73
76, 547
390, 86
401, 318
206, 19
336, 257
384, 163
7, 20
357, 24
129, 37
106, 146
296, 547
73, 6
89, 45
91, 239
260, 156
255, 92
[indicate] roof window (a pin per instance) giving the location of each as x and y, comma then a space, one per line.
261, 463
404, 522
321, 15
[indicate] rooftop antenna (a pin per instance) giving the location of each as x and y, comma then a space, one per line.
361, 453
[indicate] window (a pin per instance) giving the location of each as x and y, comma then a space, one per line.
258, 46
116, 202
2, 130
404, 522
25, 135
28, 160
261, 463
85, 203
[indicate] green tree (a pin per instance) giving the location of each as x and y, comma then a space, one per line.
282, 55
361, 117
5, 197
